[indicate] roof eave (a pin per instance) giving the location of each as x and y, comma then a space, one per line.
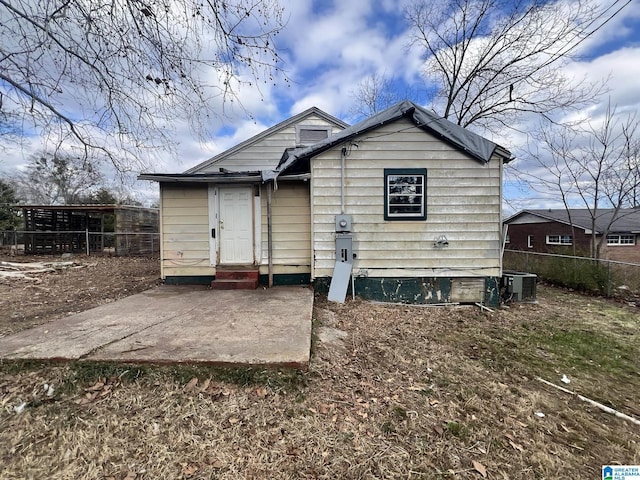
240, 177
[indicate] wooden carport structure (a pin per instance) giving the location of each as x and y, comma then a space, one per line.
56, 229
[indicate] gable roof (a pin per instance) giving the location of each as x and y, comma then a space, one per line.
627, 220
473, 144
265, 133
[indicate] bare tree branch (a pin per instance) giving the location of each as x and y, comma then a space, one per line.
373, 94
594, 164
118, 77
495, 60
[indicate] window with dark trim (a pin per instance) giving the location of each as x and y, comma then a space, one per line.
405, 193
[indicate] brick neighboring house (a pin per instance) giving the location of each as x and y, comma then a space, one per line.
550, 231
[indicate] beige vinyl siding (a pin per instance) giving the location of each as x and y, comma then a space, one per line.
266, 152
291, 228
462, 203
185, 230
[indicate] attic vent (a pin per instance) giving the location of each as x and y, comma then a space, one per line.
311, 135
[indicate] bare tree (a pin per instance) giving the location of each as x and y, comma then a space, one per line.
495, 60
594, 164
373, 94
59, 179
548, 170
115, 76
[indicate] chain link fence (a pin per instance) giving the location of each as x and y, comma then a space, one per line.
606, 277
82, 241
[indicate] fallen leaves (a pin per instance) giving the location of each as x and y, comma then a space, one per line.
512, 442
191, 385
189, 469
480, 468
98, 391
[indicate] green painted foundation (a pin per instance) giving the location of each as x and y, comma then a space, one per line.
410, 290
278, 280
189, 280
419, 290
284, 279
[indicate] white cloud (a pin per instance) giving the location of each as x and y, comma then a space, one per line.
621, 28
621, 68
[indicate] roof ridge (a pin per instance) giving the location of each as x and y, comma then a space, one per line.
473, 144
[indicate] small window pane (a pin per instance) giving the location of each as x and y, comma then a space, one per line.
559, 239
621, 239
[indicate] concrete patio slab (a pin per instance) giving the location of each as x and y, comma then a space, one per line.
180, 324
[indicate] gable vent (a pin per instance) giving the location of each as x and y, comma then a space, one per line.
311, 135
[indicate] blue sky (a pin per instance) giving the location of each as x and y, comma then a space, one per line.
329, 46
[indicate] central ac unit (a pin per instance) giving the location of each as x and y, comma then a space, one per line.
519, 287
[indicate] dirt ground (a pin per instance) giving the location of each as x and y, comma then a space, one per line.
392, 391
90, 281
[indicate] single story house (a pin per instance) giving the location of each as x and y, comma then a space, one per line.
416, 197
559, 230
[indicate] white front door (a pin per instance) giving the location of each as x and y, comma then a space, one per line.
236, 225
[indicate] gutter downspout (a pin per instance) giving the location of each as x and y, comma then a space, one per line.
343, 155
270, 234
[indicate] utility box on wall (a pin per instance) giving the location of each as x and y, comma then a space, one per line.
344, 247
343, 223
344, 260
344, 239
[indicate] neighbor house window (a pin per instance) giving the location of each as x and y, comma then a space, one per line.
621, 239
405, 194
311, 134
559, 239
530, 241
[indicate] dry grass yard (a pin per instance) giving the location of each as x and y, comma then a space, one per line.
392, 392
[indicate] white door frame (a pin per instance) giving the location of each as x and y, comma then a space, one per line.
214, 222
247, 255
214, 228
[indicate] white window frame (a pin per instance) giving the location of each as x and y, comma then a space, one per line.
565, 240
621, 240
529, 241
